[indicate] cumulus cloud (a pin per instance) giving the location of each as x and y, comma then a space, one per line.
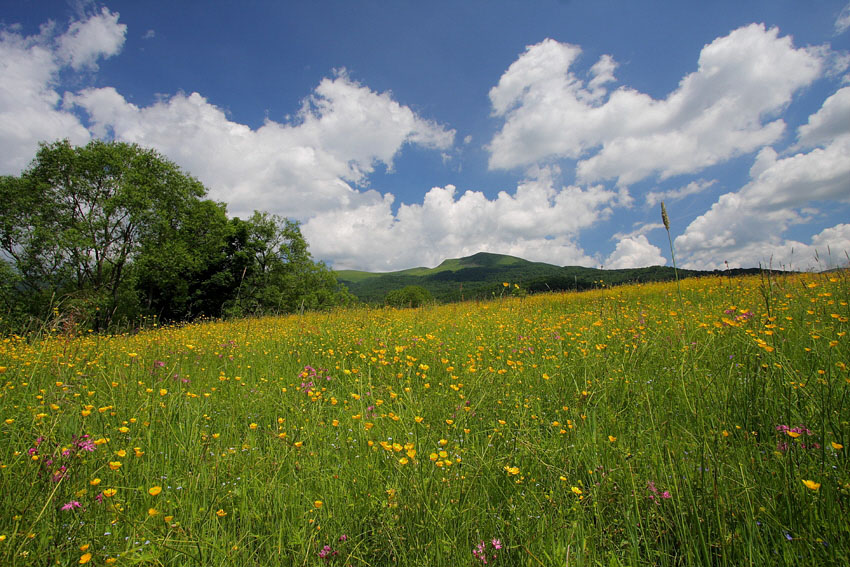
87, 41
343, 131
635, 252
746, 227
30, 106
539, 221
831, 121
724, 109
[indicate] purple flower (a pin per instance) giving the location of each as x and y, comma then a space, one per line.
71, 505
327, 552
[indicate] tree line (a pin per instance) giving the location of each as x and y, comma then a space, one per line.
104, 234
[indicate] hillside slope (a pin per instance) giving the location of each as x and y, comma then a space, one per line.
481, 276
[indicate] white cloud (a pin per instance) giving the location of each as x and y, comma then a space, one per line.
831, 121
746, 228
87, 41
692, 188
537, 222
724, 109
30, 109
842, 22
635, 252
342, 132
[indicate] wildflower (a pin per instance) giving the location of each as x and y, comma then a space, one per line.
154, 490
109, 492
220, 513
85, 558
115, 465
94, 481
811, 485
318, 504
611, 438
576, 490
71, 505
497, 544
837, 446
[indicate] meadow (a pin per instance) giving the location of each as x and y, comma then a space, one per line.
634, 425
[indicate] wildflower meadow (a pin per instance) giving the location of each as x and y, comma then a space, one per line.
634, 425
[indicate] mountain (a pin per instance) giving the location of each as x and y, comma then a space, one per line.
481, 276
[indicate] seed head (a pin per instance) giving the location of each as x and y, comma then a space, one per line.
664, 218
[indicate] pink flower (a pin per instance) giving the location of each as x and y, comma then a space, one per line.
497, 544
71, 505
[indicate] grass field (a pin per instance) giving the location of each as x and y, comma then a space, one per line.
624, 426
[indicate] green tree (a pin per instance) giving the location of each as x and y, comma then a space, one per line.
409, 296
77, 216
275, 270
109, 231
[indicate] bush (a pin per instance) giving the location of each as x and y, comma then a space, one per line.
409, 296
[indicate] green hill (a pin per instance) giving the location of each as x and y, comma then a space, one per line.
481, 275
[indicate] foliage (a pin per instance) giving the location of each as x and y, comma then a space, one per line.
408, 296
111, 231
607, 427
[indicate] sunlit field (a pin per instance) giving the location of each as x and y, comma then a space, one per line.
639, 425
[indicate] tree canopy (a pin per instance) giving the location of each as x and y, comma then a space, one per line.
111, 231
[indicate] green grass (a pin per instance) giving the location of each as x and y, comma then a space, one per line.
611, 427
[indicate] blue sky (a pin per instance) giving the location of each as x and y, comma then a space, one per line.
403, 133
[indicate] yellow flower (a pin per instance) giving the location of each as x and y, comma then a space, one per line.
611, 438
576, 490
792, 434
154, 490
253, 426
121, 453
94, 481
221, 513
85, 558
163, 391
811, 485
152, 512
837, 446
109, 492
115, 465
318, 504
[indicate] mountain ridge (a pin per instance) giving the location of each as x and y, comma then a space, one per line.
482, 275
